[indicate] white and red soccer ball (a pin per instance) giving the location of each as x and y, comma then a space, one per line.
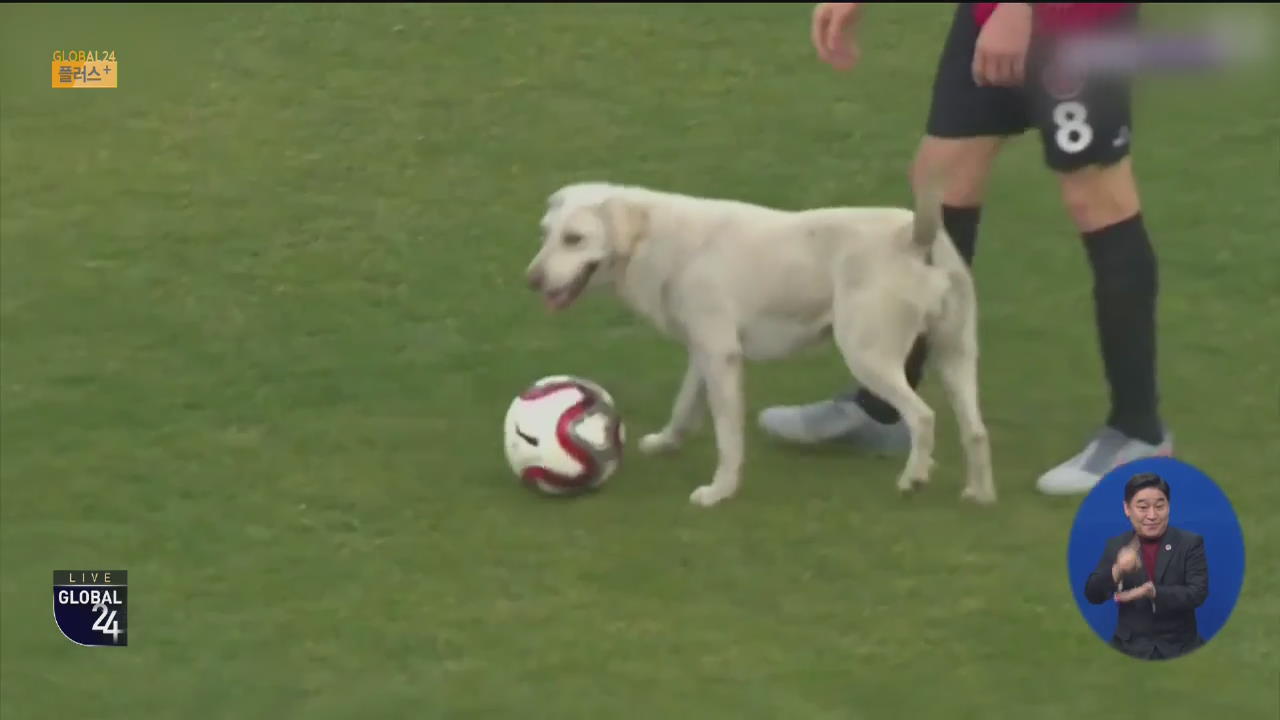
563, 435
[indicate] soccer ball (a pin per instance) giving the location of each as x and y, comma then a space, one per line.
563, 435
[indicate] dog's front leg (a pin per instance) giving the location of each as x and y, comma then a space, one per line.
684, 414
722, 372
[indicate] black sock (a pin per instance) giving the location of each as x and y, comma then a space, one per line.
1125, 284
962, 225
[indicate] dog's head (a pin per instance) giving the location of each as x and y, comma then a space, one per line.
588, 232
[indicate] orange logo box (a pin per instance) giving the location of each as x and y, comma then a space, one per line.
79, 74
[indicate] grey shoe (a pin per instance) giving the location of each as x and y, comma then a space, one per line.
835, 421
1108, 449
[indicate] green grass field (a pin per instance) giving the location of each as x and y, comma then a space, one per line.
263, 309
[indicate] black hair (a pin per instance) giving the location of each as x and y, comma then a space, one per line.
1146, 480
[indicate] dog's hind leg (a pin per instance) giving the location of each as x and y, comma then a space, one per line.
875, 345
959, 373
955, 355
685, 414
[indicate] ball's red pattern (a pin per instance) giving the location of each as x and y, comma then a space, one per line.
533, 475
549, 389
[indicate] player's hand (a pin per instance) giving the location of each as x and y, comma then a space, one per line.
832, 32
1000, 57
1145, 590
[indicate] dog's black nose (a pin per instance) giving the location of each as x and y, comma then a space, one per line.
535, 280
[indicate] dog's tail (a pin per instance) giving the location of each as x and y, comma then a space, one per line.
928, 214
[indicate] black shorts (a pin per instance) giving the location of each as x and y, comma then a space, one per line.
1082, 121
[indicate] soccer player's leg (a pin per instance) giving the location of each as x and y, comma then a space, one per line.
965, 130
1085, 130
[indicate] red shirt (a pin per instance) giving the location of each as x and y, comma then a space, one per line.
1061, 17
1150, 551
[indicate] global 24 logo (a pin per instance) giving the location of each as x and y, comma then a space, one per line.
91, 607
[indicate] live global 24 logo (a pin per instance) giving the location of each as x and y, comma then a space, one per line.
91, 606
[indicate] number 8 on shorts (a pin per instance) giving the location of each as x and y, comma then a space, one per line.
1073, 133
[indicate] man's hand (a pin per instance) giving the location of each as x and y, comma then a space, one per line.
1126, 562
1145, 590
828, 30
1000, 57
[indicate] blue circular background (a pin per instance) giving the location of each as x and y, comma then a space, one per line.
1197, 504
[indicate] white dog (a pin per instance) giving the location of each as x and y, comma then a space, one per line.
737, 282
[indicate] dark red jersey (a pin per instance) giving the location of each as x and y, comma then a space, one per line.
1056, 18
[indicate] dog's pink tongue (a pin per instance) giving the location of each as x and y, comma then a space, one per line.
552, 302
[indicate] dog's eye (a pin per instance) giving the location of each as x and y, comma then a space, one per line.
572, 239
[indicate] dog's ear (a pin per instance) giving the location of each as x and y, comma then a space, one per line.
628, 222
556, 199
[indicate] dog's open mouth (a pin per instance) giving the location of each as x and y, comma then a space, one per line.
564, 296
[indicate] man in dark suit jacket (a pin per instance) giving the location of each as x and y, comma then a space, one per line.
1157, 575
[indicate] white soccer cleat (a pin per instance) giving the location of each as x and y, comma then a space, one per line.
835, 421
1108, 449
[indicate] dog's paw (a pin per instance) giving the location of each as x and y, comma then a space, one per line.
655, 443
978, 496
709, 495
915, 476
911, 484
